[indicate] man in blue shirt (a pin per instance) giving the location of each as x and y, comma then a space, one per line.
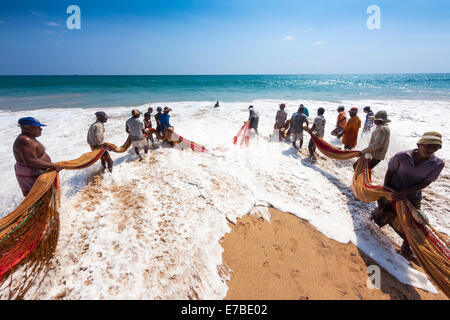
165, 124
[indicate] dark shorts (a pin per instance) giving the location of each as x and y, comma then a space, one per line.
254, 123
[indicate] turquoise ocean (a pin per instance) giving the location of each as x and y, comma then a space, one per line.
42, 92
152, 229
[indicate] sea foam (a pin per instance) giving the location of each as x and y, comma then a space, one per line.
152, 229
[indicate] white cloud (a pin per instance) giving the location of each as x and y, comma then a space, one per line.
289, 38
52, 24
37, 14
318, 43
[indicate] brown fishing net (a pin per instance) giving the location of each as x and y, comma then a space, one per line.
29, 234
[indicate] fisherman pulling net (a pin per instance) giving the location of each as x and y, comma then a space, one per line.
430, 247
29, 234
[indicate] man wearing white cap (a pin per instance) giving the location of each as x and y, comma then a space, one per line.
253, 118
408, 173
135, 128
95, 138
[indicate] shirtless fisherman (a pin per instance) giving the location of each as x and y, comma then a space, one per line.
31, 159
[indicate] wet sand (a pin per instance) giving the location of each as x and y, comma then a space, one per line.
289, 259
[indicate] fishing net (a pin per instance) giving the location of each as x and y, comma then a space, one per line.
29, 234
430, 247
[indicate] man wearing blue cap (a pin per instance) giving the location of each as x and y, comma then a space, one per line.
31, 159
95, 138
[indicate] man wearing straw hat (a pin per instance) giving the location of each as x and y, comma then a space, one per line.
408, 173
379, 140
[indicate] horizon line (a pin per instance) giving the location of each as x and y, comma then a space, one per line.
220, 74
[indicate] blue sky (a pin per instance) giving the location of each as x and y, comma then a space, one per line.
224, 37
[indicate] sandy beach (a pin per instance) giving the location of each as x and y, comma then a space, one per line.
203, 199
152, 229
289, 259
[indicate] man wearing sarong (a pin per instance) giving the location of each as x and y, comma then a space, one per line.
95, 138
297, 121
368, 124
340, 123
253, 118
157, 119
318, 129
350, 137
280, 120
166, 128
149, 112
408, 173
31, 159
149, 131
135, 128
379, 140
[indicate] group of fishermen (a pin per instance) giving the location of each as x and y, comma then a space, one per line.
32, 160
408, 172
347, 129
140, 133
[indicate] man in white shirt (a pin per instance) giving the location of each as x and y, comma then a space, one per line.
135, 128
379, 140
253, 118
318, 129
95, 138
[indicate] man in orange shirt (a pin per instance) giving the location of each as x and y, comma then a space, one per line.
350, 137
341, 122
